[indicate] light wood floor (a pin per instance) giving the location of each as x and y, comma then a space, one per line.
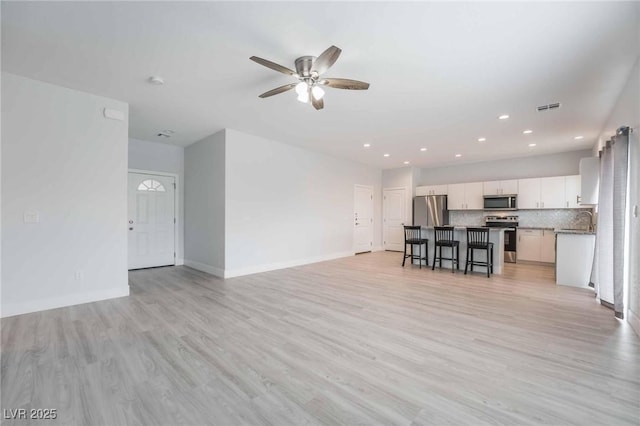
353, 341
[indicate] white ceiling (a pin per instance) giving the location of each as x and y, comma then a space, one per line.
440, 73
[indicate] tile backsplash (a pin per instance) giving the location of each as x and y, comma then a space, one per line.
548, 218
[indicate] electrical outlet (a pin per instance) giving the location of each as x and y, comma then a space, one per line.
79, 275
31, 217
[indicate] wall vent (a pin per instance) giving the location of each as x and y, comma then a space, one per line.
554, 105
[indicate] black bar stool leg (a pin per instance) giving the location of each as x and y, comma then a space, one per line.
466, 262
435, 252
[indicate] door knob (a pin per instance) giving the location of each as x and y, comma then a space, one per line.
130, 222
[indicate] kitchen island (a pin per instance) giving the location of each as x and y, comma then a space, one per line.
496, 236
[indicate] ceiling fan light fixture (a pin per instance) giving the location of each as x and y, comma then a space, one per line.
303, 97
301, 89
317, 93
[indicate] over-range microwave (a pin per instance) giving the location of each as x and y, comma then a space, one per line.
500, 202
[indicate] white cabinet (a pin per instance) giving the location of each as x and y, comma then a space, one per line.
431, 190
465, 196
575, 256
455, 199
500, 187
590, 179
529, 193
572, 186
529, 244
548, 246
473, 195
536, 245
552, 192
557, 192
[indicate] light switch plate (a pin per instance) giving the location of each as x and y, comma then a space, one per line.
31, 217
113, 114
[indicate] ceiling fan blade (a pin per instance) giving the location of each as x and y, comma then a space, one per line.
317, 103
278, 90
273, 66
326, 59
344, 83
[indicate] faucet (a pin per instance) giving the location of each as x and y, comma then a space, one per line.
591, 225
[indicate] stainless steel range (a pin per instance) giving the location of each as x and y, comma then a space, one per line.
510, 223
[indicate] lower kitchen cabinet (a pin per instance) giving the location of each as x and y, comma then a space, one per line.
548, 246
536, 245
575, 258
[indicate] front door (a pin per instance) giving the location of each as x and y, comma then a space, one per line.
394, 206
151, 221
363, 219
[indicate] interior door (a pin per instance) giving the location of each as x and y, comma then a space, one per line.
394, 206
363, 219
151, 222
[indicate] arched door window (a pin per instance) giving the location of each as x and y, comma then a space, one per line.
151, 185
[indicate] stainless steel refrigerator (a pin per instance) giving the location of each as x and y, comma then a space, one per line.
430, 210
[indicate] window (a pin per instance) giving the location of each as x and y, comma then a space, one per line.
151, 185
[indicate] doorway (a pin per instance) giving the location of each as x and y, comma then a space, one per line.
394, 207
152, 220
363, 219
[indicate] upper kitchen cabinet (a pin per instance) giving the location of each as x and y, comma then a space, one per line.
572, 192
431, 190
529, 193
501, 187
465, 196
589, 180
552, 192
541, 193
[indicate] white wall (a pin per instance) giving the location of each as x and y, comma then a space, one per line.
626, 112
287, 205
161, 157
561, 164
204, 204
62, 159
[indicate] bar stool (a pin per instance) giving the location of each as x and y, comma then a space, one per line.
444, 238
478, 239
412, 238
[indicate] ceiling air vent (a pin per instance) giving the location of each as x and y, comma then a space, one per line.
555, 105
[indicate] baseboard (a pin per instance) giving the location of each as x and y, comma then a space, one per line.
606, 304
377, 248
218, 272
634, 321
282, 265
179, 262
10, 310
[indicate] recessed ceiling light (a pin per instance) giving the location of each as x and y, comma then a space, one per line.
458, 155
406, 162
503, 117
386, 155
482, 139
366, 145
423, 149
531, 145
155, 80
528, 132
579, 137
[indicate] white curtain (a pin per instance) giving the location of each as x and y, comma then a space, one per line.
607, 273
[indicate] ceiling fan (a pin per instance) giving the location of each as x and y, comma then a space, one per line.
308, 71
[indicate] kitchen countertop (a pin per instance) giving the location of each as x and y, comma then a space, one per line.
545, 228
460, 228
574, 231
